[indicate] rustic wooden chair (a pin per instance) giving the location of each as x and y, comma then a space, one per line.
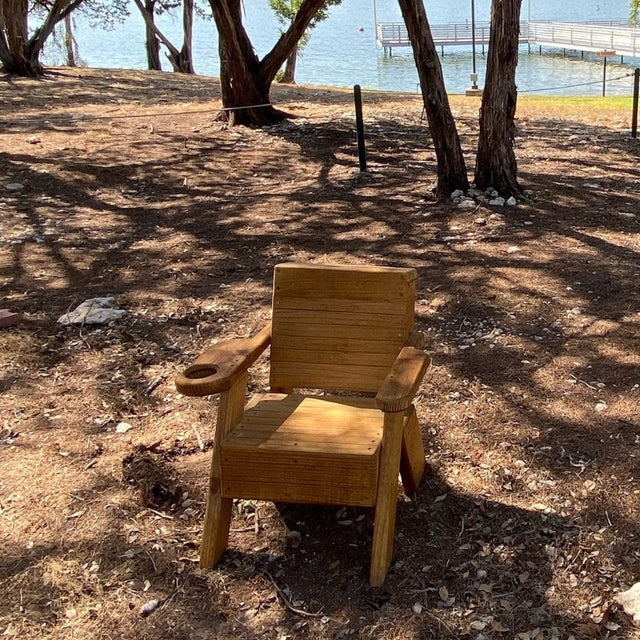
335, 328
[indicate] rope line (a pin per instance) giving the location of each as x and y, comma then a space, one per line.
88, 118
578, 84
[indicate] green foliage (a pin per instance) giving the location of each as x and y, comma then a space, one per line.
634, 12
286, 10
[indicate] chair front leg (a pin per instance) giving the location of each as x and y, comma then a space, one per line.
217, 519
387, 497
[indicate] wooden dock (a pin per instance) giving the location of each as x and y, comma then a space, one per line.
616, 37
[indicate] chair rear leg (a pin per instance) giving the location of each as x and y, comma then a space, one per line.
387, 498
412, 460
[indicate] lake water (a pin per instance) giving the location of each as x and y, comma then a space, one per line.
342, 50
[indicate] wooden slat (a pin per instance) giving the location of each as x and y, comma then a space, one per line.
375, 331
340, 282
349, 318
327, 376
339, 327
332, 343
308, 478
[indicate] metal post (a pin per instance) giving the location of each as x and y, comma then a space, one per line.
634, 114
362, 153
473, 43
375, 20
604, 76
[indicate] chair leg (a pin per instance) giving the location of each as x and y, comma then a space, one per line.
387, 498
215, 534
412, 460
217, 519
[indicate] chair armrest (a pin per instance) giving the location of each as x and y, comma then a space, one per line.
399, 387
216, 369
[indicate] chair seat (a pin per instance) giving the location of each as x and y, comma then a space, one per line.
308, 449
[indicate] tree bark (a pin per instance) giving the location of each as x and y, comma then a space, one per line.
289, 75
19, 53
151, 40
245, 79
496, 164
181, 61
69, 42
452, 172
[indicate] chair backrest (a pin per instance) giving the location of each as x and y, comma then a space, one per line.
338, 327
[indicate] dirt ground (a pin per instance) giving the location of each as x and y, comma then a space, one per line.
526, 524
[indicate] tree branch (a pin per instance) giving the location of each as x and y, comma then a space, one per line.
272, 62
151, 24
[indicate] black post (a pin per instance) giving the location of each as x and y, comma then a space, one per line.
634, 114
604, 76
362, 153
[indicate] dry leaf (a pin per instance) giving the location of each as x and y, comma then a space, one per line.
443, 592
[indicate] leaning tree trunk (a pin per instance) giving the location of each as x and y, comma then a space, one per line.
152, 45
246, 80
496, 164
69, 42
19, 53
452, 172
182, 61
289, 74
14, 35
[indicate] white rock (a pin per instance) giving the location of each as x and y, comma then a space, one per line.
467, 204
497, 202
511, 202
576, 311
513, 249
601, 406
630, 601
14, 186
92, 311
458, 193
626, 214
123, 427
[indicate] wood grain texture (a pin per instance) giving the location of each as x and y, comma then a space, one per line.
385, 516
412, 459
217, 517
400, 386
339, 328
305, 449
216, 369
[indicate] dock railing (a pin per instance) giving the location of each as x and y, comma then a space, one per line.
587, 36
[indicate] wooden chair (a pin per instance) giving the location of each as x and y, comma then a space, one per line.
335, 328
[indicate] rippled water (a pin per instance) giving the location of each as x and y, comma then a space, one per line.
342, 50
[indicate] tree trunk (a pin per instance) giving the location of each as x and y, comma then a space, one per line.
152, 45
496, 161
14, 35
289, 75
245, 80
452, 173
182, 61
20, 54
69, 42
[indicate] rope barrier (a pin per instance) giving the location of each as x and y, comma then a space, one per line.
88, 118
579, 84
